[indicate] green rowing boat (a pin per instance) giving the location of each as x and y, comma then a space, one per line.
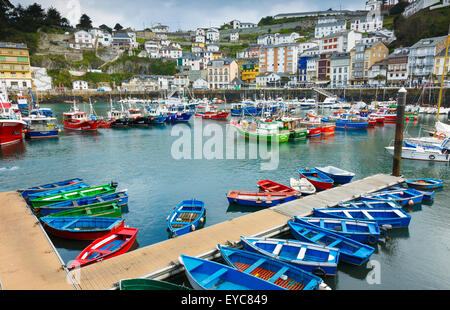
148, 284
107, 210
80, 193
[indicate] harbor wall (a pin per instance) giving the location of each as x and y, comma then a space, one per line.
428, 97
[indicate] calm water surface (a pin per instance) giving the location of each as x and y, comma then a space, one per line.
140, 160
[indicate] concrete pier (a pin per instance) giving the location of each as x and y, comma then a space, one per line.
28, 261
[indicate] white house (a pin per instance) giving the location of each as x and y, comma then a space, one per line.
212, 35
271, 79
200, 32
101, 36
325, 29
80, 85
234, 36
157, 27
181, 80
83, 39
311, 69
277, 38
372, 22
340, 69
236, 24
303, 46
152, 48
200, 38
200, 84
171, 53
165, 82
339, 42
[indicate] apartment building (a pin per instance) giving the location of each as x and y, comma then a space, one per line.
221, 72
15, 70
279, 58
421, 58
363, 57
340, 69
397, 67
339, 42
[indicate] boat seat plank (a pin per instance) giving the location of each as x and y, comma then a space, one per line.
370, 217
277, 249
69, 224
317, 237
258, 263
335, 243
301, 253
278, 274
214, 276
344, 227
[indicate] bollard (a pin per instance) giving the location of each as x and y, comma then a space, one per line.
398, 144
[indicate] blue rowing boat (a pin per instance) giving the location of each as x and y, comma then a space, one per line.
120, 197
394, 217
403, 197
425, 184
361, 231
427, 196
57, 191
339, 176
275, 271
186, 217
206, 275
319, 260
350, 251
46, 187
369, 205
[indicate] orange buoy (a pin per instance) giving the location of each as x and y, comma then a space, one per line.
411, 202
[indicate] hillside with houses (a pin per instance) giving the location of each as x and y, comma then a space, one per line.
373, 47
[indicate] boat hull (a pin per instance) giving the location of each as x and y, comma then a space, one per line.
11, 132
90, 125
259, 199
87, 234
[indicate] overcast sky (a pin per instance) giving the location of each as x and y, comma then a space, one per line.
184, 14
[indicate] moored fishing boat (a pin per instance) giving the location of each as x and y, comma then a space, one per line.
424, 153
207, 275
303, 186
339, 176
72, 195
113, 244
11, 123
395, 217
361, 231
268, 130
294, 126
350, 251
77, 120
81, 228
106, 210
188, 216
275, 271
211, 112
41, 127
320, 180
121, 198
350, 121
259, 199
149, 285
319, 260
50, 186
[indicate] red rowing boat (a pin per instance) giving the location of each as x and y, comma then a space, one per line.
271, 186
114, 244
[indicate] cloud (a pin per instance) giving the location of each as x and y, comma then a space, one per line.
182, 14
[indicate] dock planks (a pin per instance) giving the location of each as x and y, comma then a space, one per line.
27, 259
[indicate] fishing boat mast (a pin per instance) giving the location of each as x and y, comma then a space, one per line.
443, 74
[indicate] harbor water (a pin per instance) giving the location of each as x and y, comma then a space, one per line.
142, 161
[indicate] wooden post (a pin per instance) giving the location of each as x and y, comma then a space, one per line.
398, 145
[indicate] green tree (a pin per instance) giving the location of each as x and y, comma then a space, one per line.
118, 27
106, 28
85, 22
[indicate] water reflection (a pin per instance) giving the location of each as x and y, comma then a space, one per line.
16, 150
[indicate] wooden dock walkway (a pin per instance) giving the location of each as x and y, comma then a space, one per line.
161, 260
27, 258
